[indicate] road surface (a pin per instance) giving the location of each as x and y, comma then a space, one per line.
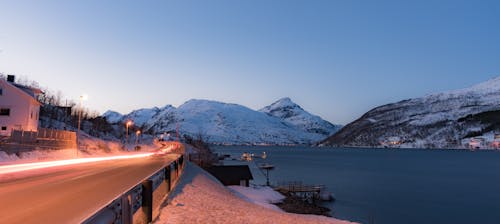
70, 194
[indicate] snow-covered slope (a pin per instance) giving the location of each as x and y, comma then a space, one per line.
224, 123
141, 116
200, 198
434, 121
112, 116
292, 113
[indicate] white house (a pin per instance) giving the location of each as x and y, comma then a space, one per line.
19, 109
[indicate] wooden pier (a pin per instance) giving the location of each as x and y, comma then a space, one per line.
309, 193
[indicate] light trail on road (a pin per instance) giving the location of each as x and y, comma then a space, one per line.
39, 165
73, 193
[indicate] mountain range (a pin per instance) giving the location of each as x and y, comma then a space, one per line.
280, 123
443, 120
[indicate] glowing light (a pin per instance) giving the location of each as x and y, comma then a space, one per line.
31, 166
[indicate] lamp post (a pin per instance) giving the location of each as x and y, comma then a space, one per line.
82, 98
128, 124
137, 133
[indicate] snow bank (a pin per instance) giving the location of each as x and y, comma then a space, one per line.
7, 157
263, 196
200, 198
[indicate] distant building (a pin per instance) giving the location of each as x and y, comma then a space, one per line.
232, 175
391, 142
476, 143
19, 109
496, 142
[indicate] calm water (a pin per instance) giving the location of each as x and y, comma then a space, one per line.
395, 186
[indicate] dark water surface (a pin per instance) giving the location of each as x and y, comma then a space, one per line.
394, 185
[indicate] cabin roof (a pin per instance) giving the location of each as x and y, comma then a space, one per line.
231, 173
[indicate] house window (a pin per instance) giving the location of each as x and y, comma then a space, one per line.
4, 128
1, 91
4, 112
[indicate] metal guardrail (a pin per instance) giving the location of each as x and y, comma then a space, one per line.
141, 203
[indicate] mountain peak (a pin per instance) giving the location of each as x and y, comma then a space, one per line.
112, 116
293, 114
285, 101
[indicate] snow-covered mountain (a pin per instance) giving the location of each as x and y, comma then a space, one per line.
219, 122
112, 116
443, 120
141, 116
285, 109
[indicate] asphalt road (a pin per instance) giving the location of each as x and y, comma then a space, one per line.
70, 194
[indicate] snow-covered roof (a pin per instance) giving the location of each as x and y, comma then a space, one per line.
28, 92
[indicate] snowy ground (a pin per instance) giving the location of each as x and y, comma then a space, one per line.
200, 198
263, 196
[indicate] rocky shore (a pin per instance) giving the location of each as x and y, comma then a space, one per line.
295, 204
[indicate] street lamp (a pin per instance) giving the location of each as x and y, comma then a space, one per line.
128, 124
137, 133
82, 98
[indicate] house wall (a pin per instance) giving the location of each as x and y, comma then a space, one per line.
34, 113
245, 183
21, 107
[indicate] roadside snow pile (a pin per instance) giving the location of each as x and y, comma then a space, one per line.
200, 198
263, 196
7, 157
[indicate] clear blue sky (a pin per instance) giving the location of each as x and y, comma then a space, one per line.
337, 59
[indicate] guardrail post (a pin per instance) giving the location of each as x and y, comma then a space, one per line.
181, 161
147, 200
176, 165
126, 209
174, 172
167, 178
113, 213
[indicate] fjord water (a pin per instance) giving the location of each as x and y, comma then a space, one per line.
394, 185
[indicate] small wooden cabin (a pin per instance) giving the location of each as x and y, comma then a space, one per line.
232, 175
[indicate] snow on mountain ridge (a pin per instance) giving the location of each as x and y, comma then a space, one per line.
283, 102
231, 122
490, 86
449, 105
435, 120
225, 123
292, 113
112, 116
141, 116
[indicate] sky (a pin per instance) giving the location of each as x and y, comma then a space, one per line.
337, 59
